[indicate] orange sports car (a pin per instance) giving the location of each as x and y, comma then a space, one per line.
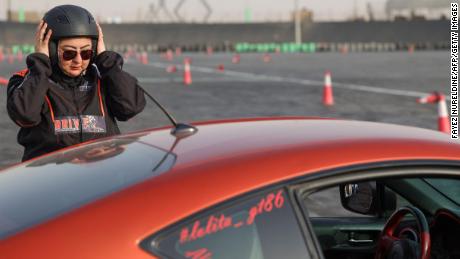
253, 188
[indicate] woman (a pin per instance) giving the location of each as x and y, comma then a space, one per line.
73, 90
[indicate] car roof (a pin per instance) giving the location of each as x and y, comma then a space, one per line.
233, 138
228, 158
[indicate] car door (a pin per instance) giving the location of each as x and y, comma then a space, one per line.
342, 233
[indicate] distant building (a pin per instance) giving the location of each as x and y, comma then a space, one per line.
418, 9
306, 15
25, 16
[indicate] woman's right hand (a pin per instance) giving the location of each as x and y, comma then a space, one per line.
42, 40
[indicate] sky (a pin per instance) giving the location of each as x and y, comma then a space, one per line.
223, 10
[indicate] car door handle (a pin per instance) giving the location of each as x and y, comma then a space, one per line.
360, 241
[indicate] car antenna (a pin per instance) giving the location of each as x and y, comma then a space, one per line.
180, 130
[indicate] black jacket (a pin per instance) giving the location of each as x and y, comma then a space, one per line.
54, 115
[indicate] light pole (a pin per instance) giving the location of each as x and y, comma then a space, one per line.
8, 10
297, 23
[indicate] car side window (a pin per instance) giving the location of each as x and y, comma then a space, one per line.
400, 202
262, 227
326, 203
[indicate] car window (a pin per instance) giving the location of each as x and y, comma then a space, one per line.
400, 201
326, 203
264, 227
448, 187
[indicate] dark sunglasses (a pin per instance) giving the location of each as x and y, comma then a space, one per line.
71, 54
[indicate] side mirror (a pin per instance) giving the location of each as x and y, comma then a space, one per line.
359, 197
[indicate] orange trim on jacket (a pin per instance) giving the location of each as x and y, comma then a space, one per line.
50, 107
101, 106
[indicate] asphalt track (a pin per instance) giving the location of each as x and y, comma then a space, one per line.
380, 87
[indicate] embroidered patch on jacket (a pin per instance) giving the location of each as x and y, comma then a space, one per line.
85, 87
75, 124
93, 124
69, 124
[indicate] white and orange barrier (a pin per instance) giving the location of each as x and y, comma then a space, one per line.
187, 72
443, 116
328, 96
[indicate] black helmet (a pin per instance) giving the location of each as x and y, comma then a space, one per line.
68, 21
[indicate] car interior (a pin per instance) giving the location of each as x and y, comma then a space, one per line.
416, 217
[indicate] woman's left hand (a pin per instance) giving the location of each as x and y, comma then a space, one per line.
100, 40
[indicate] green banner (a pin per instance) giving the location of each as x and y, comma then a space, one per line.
285, 47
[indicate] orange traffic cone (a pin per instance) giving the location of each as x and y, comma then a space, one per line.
169, 55
3, 81
19, 56
236, 59
10, 58
411, 48
178, 51
328, 97
267, 58
443, 116
129, 53
187, 72
209, 51
144, 58
171, 69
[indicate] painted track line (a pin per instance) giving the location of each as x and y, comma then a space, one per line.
307, 82
160, 80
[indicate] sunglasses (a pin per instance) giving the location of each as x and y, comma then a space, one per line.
71, 54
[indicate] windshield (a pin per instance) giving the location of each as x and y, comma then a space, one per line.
48, 187
448, 187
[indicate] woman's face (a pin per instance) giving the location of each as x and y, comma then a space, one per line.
74, 55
